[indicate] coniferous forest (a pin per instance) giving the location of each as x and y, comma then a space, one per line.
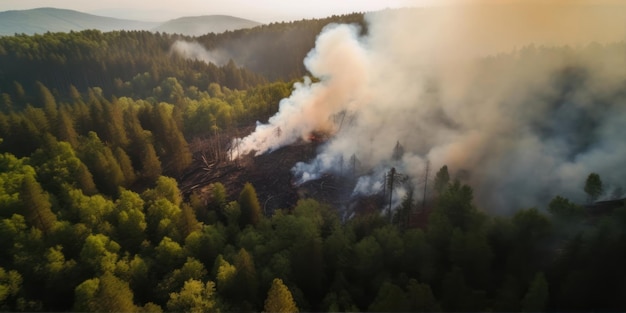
96, 131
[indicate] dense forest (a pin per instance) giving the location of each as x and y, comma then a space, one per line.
96, 128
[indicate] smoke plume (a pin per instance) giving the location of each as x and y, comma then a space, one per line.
195, 51
521, 101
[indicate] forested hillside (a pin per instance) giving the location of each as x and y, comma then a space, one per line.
106, 60
110, 60
42, 20
95, 135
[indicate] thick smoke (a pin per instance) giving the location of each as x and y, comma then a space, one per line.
520, 101
195, 51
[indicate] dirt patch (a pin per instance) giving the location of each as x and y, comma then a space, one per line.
270, 173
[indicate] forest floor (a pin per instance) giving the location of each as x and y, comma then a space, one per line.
270, 173
271, 176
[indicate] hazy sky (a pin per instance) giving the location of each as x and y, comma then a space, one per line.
259, 10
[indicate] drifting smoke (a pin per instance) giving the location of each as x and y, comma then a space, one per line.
520, 101
195, 51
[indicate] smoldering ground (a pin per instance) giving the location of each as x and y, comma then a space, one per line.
524, 99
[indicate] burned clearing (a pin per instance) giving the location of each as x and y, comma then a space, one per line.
269, 173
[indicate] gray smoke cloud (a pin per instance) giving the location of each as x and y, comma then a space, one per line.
521, 101
195, 51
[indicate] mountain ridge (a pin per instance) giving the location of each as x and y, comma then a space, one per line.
204, 24
49, 19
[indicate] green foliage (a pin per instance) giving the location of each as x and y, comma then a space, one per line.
442, 178
10, 286
246, 277
219, 196
421, 298
104, 294
194, 297
161, 217
593, 187
93, 211
169, 254
59, 167
36, 204
390, 298
99, 253
166, 188
456, 203
88, 222
192, 269
250, 207
149, 248
536, 298
12, 173
100, 160
126, 166
115, 61
456, 295
188, 223
279, 299
175, 154
563, 208
151, 165
130, 220
206, 244
225, 274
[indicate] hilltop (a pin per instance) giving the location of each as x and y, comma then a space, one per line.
200, 25
42, 20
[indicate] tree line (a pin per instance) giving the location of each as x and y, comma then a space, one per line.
112, 59
68, 249
91, 217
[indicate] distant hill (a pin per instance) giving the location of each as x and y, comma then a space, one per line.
42, 20
201, 25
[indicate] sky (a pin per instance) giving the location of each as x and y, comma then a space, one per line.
264, 11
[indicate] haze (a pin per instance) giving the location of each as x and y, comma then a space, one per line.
259, 10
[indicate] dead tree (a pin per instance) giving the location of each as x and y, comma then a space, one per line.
353, 162
392, 178
425, 184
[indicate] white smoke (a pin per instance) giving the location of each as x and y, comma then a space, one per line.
488, 90
195, 51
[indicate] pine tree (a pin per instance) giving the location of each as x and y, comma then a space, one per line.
37, 205
246, 276
65, 128
250, 207
442, 178
105, 294
593, 187
126, 166
187, 222
279, 298
150, 163
194, 297
49, 103
536, 298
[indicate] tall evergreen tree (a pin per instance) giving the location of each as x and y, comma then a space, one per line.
442, 178
65, 130
246, 277
48, 102
593, 187
150, 163
279, 299
126, 166
194, 297
249, 205
37, 205
536, 298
